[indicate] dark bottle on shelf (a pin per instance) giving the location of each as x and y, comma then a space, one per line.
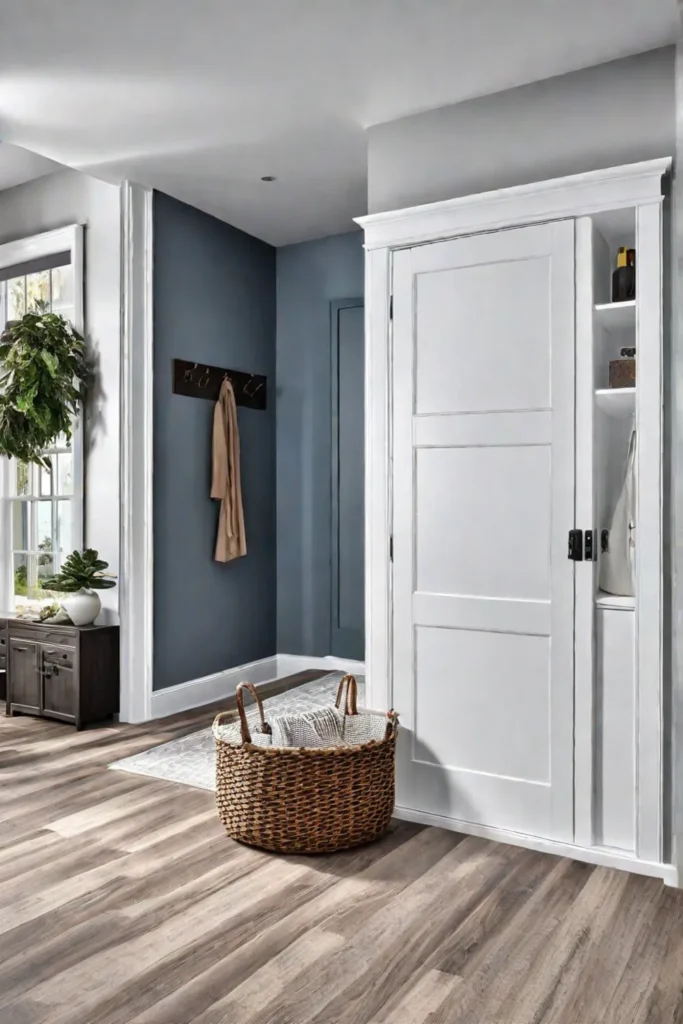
624, 277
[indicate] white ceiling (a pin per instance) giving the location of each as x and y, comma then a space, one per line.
202, 98
19, 165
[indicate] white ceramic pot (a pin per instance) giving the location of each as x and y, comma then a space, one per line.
83, 607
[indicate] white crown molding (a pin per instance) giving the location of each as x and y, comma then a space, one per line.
137, 555
571, 196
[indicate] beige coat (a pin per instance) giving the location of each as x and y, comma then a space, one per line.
231, 541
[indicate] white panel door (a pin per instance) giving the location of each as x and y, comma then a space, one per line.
483, 500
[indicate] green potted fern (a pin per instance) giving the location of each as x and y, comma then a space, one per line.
81, 576
42, 383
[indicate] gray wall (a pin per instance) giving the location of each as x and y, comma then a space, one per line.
615, 113
214, 301
55, 201
309, 276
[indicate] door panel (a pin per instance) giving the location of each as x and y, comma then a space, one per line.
348, 471
469, 539
24, 674
483, 494
475, 317
59, 694
511, 714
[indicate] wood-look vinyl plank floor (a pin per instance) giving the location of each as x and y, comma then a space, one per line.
123, 902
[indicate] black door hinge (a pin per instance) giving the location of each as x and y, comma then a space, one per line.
391, 548
575, 551
391, 307
588, 552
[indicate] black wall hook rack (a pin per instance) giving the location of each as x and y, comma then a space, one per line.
197, 380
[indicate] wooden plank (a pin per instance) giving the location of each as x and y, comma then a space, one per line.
142, 912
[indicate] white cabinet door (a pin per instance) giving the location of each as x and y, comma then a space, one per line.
483, 500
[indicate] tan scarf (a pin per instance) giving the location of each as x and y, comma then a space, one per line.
231, 541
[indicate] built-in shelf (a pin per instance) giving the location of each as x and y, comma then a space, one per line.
619, 402
617, 316
604, 600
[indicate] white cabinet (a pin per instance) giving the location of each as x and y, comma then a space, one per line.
615, 734
531, 703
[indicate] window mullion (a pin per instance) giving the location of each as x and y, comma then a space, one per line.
55, 552
33, 557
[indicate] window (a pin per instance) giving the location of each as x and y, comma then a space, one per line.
42, 509
47, 288
41, 521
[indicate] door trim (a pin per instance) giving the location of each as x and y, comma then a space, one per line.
137, 541
335, 309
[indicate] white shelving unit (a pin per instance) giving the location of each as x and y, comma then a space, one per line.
616, 316
614, 601
619, 402
618, 680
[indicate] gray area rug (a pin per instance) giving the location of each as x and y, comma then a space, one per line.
191, 760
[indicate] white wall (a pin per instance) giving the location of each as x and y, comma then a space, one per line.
612, 114
69, 197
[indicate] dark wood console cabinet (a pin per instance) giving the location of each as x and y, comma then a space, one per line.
70, 673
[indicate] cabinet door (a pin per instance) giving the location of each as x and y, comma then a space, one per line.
483, 500
24, 677
59, 691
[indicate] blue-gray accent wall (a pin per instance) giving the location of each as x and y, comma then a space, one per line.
214, 301
310, 276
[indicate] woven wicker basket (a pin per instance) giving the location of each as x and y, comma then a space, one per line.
305, 800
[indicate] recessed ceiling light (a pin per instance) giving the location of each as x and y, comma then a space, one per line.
268, 177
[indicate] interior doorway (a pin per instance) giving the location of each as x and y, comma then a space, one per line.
347, 607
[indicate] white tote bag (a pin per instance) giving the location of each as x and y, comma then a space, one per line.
618, 562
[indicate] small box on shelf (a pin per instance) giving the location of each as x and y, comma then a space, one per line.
622, 371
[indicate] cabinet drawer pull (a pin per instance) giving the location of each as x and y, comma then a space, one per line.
22, 649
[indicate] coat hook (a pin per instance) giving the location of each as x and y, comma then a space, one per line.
204, 379
189, 378
250, 388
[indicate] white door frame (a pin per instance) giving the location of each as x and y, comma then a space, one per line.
560, 198
137, 555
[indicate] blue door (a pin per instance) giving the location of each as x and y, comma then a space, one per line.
348, 516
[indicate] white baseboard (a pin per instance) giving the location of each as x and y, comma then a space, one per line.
599, 855
197, 692
289, 664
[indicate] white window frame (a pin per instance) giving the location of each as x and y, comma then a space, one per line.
50, 243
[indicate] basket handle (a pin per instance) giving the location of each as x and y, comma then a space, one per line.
350, 703
244, 728
218, 720
392, 724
